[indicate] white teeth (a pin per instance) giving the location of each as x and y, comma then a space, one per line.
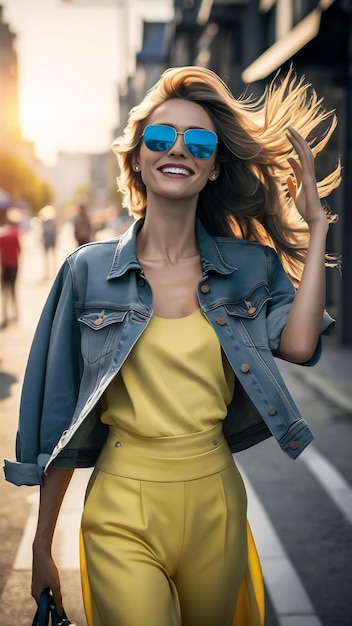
175, 170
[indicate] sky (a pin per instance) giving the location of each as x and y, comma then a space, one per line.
71, 59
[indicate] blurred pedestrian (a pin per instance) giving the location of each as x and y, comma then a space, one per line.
49, 229
82, 228
120, 222
10, 249
165, 340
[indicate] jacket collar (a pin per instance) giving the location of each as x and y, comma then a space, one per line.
125, 257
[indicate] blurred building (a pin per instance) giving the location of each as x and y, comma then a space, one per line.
10, 132
11, 141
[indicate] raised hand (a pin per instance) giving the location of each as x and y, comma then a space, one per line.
303, 186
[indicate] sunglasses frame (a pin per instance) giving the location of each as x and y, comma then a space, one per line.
184, 133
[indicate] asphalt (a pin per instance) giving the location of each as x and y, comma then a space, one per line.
331, 377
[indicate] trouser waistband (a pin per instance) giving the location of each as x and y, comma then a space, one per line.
176, 458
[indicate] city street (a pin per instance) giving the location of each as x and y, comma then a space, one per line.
300, 511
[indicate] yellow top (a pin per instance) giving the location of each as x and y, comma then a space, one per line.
175, 381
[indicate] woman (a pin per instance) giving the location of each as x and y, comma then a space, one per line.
164, 340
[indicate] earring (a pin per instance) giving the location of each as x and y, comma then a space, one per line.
214, 176
136, 168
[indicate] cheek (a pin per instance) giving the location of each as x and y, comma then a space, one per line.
146, 155
208, 170
147, 160
147, 173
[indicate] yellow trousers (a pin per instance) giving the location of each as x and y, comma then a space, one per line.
165, 550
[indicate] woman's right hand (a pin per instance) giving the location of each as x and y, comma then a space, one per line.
45, 575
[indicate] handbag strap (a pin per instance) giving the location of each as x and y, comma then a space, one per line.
46, 610
41, 617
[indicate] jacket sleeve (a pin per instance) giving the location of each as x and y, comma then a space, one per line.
51, 384
282, 295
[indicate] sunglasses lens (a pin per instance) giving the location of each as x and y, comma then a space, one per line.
200, 143
159, 138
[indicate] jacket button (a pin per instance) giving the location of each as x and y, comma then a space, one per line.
294, 445
205, 288
244, 367
272, 410
221, 320
141, 282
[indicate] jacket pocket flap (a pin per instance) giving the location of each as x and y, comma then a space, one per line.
98, 319
250, 305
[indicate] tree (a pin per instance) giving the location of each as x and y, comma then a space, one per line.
22, 183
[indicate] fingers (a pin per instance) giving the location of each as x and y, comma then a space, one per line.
57, 597
297, 170
303, 150
46, 576
304, 169
295, 138
302, 186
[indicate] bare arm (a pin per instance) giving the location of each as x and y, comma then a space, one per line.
45, 573
300, 335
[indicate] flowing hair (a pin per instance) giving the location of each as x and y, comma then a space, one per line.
250, 197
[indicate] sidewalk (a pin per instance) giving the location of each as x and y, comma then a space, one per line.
18, 504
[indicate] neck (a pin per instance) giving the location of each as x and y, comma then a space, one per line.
168, 233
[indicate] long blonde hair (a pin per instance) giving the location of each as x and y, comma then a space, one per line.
250, 198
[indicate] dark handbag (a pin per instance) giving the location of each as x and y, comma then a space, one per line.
46, 614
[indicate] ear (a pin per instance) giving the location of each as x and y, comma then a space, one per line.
214, 174
135, 163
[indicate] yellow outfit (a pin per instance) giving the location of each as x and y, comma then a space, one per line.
165, 541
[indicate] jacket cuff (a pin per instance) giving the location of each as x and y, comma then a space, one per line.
327, 325
296, 439
29, 474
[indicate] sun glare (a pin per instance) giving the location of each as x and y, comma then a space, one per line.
42, 114
60, 111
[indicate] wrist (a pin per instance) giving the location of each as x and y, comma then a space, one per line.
41, 546
320, 225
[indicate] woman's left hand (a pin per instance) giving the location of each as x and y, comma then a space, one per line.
303, 187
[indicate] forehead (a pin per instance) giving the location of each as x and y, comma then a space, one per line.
182, 114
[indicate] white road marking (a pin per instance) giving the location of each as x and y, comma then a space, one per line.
328, 476
290, 601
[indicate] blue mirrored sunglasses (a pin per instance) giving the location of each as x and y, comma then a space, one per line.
199, 142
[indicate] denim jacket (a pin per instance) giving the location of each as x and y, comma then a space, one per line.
99, 306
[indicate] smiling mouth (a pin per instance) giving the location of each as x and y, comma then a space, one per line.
180, 171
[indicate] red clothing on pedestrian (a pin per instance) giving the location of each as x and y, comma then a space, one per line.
9, 245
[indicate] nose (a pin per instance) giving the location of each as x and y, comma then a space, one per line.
178, 148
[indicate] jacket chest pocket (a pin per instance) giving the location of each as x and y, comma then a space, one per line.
100, 332
250, 314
